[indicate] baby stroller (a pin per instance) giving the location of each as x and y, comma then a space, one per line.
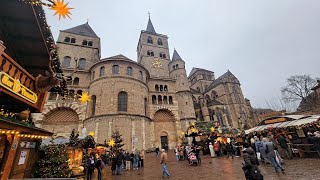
193, 159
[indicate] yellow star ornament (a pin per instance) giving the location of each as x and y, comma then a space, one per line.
91, 133
111, 142
212, 129
61, 8
84, 98
193, 123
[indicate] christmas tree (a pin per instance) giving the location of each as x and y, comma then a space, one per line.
74, 139
115, 143
87, 142
53, 162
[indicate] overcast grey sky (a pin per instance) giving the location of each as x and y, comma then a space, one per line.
261, 42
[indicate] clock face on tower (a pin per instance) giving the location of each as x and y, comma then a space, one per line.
157, 63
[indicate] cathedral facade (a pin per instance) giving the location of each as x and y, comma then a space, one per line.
150, 101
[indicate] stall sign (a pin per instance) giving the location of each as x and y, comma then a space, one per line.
277, 120
22, 158
26, 144
17, 88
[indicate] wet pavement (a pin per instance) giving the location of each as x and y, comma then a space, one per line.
219, 168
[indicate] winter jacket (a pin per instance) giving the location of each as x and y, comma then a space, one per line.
283, 142
250, 157
269, 148
258, 145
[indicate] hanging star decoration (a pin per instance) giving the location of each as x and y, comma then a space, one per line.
91, 133
193, 123
84, 98
212, 129
61, 8
111, 142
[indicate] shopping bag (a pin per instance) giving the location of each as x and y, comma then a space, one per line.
258, 155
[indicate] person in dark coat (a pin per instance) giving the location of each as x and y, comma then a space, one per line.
229, 149
113, 164
99, 168
90, 167
251, 163
119, 162
284, 146
157, 151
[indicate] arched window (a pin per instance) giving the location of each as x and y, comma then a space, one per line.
90, 43
73, 40
82, 63
93, 107
207, 97
150, 53
161, 88
162, 55
156, 87
177, 66
66, 61
165, 88
122, 101
214, 95
160, 42
198, 89
174, 67
165, 100
66, 39
159, 99
76, 81
93, 73
71, 93
194, 99
102, 71
79, 92
154, 99
170, 100
140, 75
53, 96
85, 42
150, 41
145, 106
115, 69
129, 71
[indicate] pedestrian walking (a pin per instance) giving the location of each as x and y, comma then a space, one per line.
99, 166
136, 160
119, 161
212, 153
284, 146
157, 151
216, 147
229, 150
141, 158
271, 155
113, 164
163, 162
251, 163
90, 167
176, 151
128, 161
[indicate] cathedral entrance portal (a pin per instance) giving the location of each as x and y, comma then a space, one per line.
165, 132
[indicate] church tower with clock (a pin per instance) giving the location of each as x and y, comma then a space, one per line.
153, 52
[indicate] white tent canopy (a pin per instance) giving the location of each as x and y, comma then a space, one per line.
297, 121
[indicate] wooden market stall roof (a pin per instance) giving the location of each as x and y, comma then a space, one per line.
25, 33
9, 125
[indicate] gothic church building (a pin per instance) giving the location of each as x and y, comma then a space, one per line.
149, 100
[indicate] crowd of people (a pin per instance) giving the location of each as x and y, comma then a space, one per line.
119, 161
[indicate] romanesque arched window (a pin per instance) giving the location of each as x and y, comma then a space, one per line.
160, 42
129, 71
102, 71
154, 99
150, 53
214, 95
93, 73
194, 99
140, 76
162, 55
66, 61
170, 100
159, 99
150, 41
82, 64
85, 42
123, 101
165, 88
161, 87
207, 97
115, 69
156, 87
165, 100
93, 105
76, 81
67, 39
73, 40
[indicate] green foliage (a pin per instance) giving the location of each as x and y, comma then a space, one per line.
74, 139
53, 162
117, 137
88, 142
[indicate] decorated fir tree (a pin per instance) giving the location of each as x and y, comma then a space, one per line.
53, 162
87, 142
115, 143
74, 139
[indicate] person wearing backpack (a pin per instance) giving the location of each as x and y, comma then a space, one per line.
251, 163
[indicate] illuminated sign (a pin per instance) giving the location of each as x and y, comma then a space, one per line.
17, 88
277, 120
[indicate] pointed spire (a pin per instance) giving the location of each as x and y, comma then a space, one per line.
176, 56
150, 27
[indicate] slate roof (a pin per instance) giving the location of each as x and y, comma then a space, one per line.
226, 77
84, 30
194, 70
150, 27
117, 57
176, 56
